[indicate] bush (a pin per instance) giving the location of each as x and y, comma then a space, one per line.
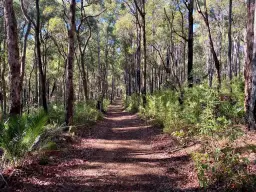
204, 111
208, 115
86, 112
56, 114
132, 103
225, 168
106, 103
18, 135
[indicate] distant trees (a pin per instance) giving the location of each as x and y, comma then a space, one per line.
141, 46
179, 57
37, 27
46, 51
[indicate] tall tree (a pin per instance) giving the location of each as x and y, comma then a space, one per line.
39, 58
205, 16
250, 66
230, 41
13, 58
70, 64
82, 46
141, 9
190, 7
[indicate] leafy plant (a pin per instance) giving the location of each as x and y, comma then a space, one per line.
132, 103
86, 112
226, 168
19, 133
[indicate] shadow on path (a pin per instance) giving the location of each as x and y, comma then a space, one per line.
116, 156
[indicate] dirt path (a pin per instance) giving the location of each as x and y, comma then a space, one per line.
117, 156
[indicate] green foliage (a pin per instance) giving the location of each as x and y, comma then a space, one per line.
18, 134
106, 103
210, 116
86, 112
201, 166
49, 146
204, 111
132, 103
235, 111
56, 114
222, 167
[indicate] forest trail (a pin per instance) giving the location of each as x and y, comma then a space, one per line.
117, 156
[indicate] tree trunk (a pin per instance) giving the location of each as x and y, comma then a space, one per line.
230, 42
39, 59
70, 65
13, 57
251, 53
100, 88
249, 56
238, 58
235, 60
36, 78
84, 77
4, 103
138, 59
23, 58
145, 54
190, 42
214, 54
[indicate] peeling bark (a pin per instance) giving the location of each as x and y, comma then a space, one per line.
70, 66
13, 58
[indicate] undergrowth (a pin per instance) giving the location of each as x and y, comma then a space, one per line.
18, 135
208, 116
21, 134
84, 112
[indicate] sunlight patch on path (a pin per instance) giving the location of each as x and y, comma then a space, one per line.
127, 129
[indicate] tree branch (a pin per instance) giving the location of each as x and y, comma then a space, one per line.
138, 8
27, 17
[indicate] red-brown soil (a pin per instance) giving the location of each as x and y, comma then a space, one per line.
120, 153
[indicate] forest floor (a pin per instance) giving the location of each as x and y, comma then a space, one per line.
119, 153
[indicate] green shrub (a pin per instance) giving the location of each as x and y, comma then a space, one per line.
132, 103
49, 146
56, 114
209, 116
204, 111
106, 103
18, 135
225, 168
86, 112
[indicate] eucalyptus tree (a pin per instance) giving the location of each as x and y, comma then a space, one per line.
250, 66
190, 6
205, 15
3, 90
70, 64
230, 40
13, 57
140, 7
